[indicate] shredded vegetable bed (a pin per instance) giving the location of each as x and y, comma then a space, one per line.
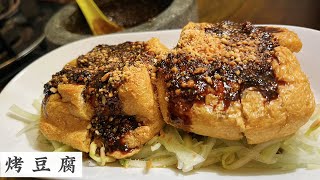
173, 147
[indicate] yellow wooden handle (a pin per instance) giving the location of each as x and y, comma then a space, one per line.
98, 22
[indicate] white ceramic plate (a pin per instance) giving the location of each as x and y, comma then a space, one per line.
28, 85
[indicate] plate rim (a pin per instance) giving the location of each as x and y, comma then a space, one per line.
21, 73
128, 34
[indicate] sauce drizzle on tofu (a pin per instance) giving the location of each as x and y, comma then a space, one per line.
240, 58
101, 71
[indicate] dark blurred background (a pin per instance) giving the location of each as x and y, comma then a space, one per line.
304, 13
22, 23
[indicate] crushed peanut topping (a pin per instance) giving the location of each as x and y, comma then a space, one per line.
222, 59
102, 72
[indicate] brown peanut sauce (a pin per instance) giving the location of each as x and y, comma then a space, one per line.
101, 71
189, 78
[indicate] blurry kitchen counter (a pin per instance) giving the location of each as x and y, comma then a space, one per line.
290, 12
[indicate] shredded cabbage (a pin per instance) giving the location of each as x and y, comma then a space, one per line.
186, 156
100, 158
177, 148
32, 122
302, 150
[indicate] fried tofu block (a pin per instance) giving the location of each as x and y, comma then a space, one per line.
66, 116
230, 81
107, 97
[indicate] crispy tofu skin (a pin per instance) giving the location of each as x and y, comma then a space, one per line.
285, 37
231, 81
66, 116
138, 99
106, 96
225, 80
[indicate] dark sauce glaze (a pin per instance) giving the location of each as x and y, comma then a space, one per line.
111, 130
100, 71
189, 78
